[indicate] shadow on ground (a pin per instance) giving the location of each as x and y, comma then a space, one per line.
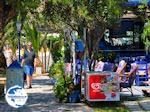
44, 102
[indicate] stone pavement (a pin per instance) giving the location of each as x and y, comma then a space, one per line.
41, 99
137, 102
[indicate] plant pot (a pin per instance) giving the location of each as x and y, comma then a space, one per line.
74, 97
38, 70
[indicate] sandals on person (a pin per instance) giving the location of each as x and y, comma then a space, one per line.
147, 94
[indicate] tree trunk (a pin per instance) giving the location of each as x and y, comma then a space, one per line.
2, 58
94, 36
1, 21
45, 58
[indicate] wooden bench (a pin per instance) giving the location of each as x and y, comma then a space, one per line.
2, 80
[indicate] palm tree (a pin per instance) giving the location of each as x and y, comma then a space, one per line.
33, 36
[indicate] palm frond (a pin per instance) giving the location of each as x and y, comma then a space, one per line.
33, 36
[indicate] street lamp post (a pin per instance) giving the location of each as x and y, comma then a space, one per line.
18, 25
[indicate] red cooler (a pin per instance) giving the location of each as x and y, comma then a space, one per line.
102, 86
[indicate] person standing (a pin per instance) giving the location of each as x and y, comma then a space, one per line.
28, 63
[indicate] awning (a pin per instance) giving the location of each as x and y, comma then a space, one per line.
134, 3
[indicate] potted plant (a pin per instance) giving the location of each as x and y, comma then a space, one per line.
60, 89
64, 88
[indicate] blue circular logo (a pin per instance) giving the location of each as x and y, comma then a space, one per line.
16, 96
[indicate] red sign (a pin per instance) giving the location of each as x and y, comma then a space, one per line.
102, 86
95, 90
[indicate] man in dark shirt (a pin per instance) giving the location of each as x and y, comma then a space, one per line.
28, 63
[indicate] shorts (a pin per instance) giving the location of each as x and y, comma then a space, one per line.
28, 70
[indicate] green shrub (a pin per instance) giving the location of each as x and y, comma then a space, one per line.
56, 69
63, 87
64, 84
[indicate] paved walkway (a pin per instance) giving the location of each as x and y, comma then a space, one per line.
137, 102
41, 99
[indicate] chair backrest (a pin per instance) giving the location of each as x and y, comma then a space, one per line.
134, 68
108, 66
121, 67
99, 66
148, 69
132, 73
142, 68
